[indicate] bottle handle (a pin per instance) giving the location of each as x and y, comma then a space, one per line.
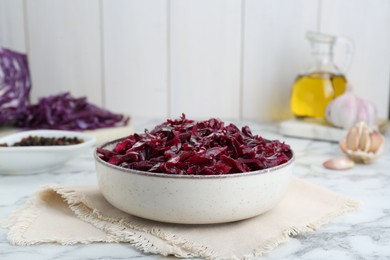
349, 50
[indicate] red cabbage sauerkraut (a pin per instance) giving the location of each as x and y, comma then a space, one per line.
188, 147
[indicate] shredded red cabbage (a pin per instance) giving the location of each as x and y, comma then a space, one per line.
15, 85
187, 147
68, 113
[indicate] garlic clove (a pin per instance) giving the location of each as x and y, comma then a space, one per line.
377, 141
361, 145
343, 145
364, 140
352, 140
338, 164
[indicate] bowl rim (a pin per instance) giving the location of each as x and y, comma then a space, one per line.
176, 176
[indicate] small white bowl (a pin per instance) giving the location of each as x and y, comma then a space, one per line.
192, 199
18, 160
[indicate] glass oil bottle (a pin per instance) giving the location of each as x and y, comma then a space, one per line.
323, 81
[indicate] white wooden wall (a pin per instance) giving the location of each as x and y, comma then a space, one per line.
225, 58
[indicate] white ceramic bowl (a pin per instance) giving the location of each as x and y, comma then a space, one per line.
32, 159
192, 199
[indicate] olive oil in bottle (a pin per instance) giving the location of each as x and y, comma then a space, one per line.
312, 93
322, 81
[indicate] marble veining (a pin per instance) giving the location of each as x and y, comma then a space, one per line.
364, 234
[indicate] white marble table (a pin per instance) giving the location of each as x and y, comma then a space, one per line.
364, 234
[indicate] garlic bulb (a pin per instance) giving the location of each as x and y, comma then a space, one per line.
347, 109
362, 145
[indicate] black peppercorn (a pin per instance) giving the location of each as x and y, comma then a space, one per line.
46, 141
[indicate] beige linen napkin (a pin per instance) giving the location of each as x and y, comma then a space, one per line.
80, 214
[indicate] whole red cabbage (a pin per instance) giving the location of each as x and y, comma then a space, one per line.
187, 147
15, 85
65, 112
